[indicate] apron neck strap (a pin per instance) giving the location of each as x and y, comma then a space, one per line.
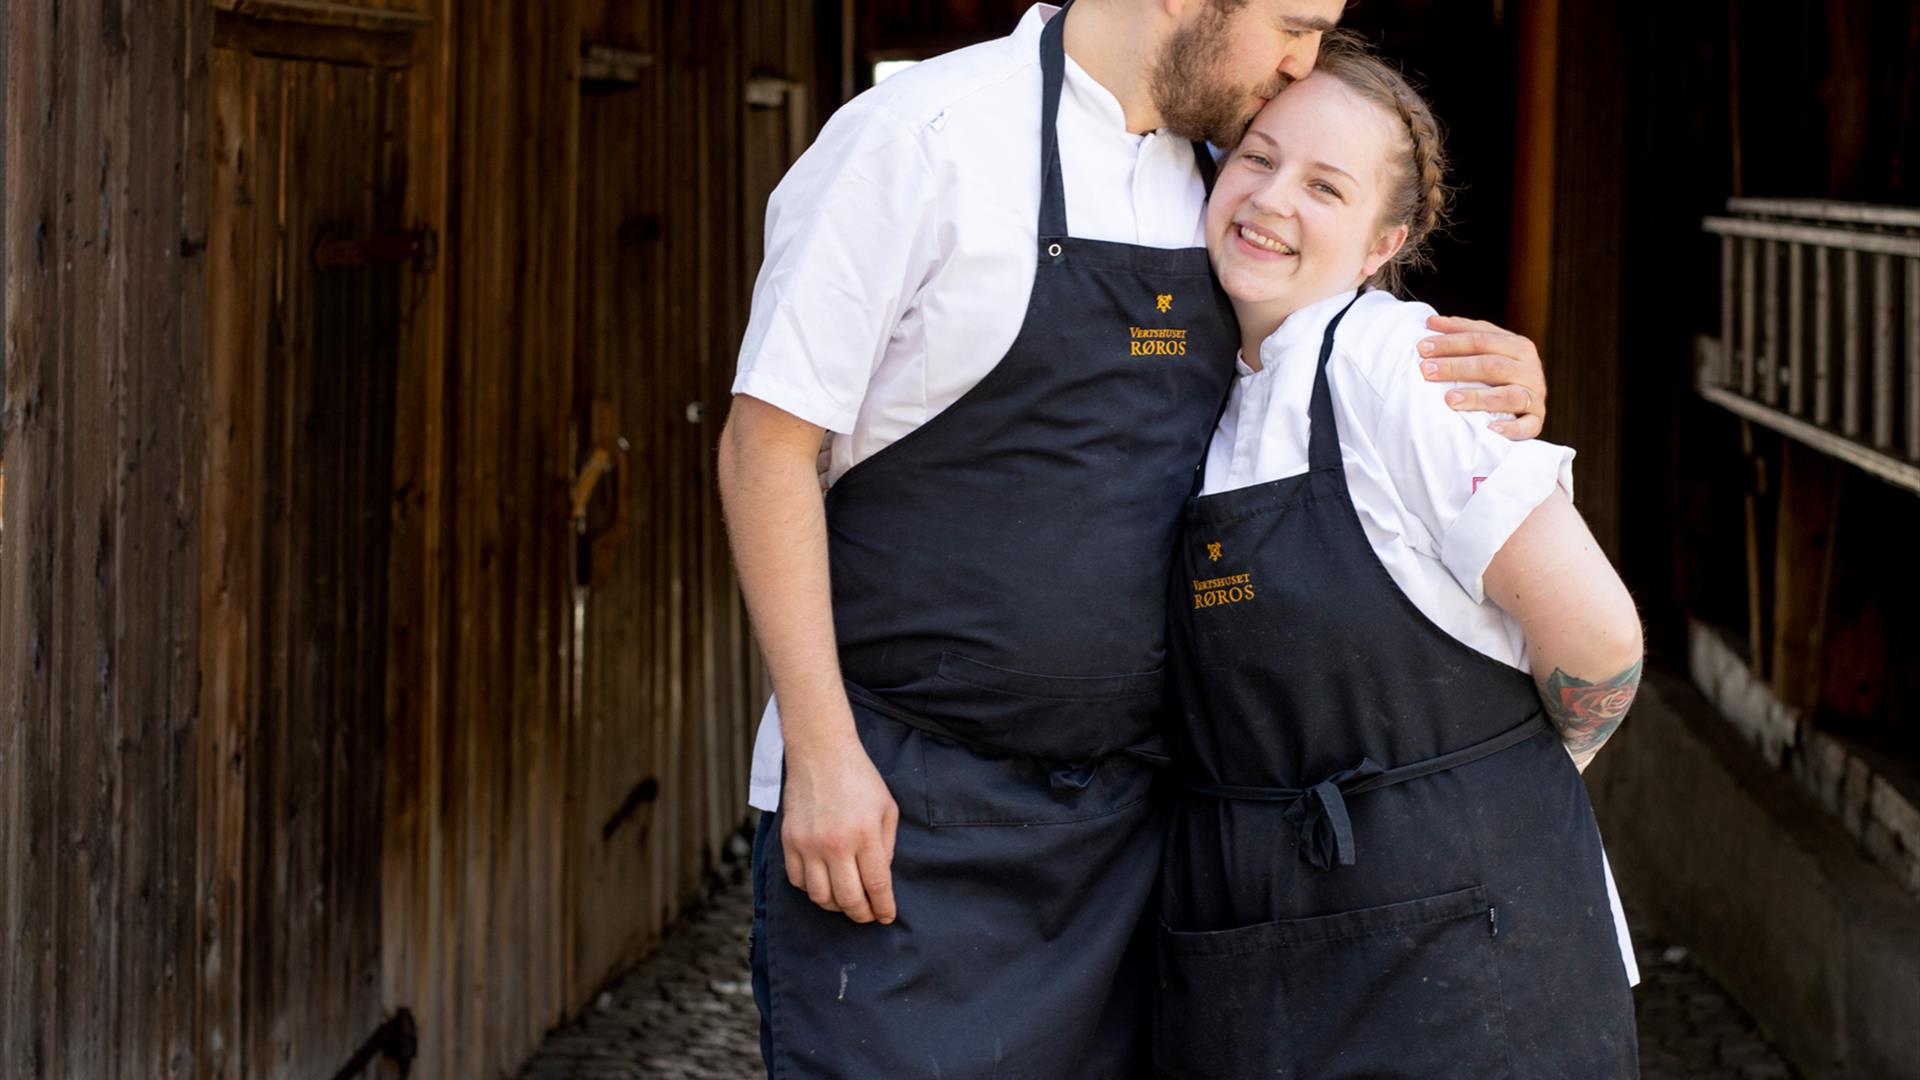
1053, 72
1209, 169
1323, 438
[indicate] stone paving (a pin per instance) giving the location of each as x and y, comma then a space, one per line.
687, 1013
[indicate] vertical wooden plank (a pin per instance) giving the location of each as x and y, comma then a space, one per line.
515, 140
1729, 337
1850, 343
1769, 373
1796, 330
99, 426
1913, 359
1748, 339
30, 558
1884, 399
417, 934
1822, 336
239, 297
90, 788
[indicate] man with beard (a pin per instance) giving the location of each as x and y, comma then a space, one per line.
987, 279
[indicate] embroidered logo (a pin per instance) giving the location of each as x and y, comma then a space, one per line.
1156, 341
1222, 591
1164, 302
1213, 552
1477, 481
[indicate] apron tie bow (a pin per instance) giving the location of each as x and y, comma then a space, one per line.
1320, 813
1070, 778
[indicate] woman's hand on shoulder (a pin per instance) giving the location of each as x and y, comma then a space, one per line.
1473, 350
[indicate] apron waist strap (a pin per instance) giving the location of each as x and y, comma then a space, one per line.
1319, 810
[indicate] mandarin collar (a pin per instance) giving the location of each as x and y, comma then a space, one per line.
1085, 92
1307, 324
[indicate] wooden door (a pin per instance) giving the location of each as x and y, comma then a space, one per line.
306, 252
636, 616
684, 125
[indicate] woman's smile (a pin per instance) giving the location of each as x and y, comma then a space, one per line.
1261, 244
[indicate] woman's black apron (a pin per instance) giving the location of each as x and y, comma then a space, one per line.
1384, 863
999, 596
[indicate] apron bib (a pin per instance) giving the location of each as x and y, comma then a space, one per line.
999, 598
1384, 864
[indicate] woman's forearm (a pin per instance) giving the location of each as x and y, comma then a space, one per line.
1587, 712
1583, 634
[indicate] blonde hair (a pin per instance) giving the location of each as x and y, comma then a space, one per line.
1419, 196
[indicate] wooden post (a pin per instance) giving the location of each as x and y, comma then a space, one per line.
1803, 544
1529, 289
1583, 346
1756, 603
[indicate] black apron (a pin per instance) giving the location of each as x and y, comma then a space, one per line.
1383, 863
999, 596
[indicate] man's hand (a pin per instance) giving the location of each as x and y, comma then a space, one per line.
837, 817
837, 826
1471, 350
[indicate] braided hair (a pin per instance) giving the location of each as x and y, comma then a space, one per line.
1419, 196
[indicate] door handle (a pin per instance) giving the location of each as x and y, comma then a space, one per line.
610, 455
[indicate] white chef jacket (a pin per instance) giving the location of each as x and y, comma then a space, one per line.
901, 248
1437, 493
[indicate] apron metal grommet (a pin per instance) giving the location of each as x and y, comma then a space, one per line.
1053, 250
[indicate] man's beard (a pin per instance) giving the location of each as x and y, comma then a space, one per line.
1194, 102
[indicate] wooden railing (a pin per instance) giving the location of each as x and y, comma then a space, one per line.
1820, 328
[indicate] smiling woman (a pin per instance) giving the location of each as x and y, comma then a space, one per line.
1372, 577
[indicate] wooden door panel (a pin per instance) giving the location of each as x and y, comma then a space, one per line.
300, 475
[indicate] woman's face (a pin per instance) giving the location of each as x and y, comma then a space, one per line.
1295, 215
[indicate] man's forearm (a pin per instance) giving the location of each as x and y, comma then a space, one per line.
777, 525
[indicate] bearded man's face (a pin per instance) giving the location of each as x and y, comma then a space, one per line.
1224, 64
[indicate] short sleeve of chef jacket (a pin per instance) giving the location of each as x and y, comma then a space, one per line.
1465, 488
849, 239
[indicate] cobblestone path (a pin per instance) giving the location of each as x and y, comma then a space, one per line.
687, 1014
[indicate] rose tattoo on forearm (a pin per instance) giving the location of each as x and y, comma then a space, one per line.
1587, 713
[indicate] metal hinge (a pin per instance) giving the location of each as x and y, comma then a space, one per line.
421, 247
770, 92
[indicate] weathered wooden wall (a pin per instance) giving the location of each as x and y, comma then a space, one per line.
312, 723
102, 430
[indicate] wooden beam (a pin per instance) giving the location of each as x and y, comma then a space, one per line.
378, 20
1892, 470
325, 43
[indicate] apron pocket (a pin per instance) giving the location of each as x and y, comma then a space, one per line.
1063, 688
976, 787
1053, 717
1407, 990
